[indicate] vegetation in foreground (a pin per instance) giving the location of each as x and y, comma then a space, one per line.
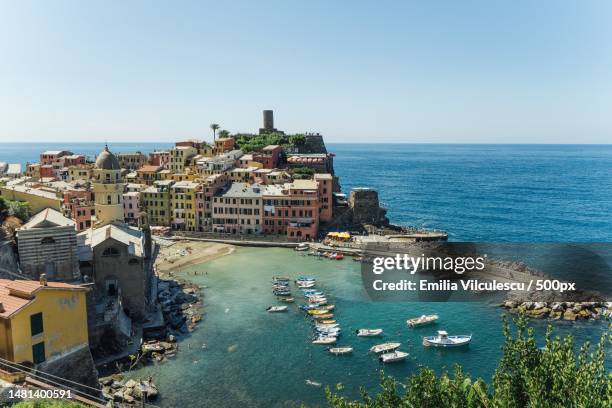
526, 376
47, 404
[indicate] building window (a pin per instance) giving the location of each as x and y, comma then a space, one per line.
36, 324
38, 352
111, 252
47, 240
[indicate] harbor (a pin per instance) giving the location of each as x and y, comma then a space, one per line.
242, 355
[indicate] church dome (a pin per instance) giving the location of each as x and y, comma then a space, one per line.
107, 161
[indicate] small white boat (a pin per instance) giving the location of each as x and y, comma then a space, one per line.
423, 320
393, 357
385, 347
313, 383
306, 285
324, 340
302, 247
369, 332
335, 332
444, 340
276, 309
340, 350
326, 325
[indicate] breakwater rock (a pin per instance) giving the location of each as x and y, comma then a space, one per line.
131, 391
561, 310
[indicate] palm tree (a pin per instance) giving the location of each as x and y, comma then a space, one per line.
214, 127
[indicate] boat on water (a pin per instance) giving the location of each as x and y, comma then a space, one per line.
323, 316
313, 383
444, 340
339, 256
311, 292
305, 279
317, 311
324, 340
329, 325
306, 285
282, 292
331, 333
340, 350
286, 299
276, 309
326, 321
393, 357
302, 247
311, 306
384, 348
280, 279
423, 320
369, 332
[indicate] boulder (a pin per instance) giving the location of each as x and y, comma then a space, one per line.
541, 312
539, 305
569, 315
557, 307
510, 304
130, 383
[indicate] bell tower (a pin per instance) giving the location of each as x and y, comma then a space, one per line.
108, 189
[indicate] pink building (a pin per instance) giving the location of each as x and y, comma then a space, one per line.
204, 199
325, 183
160, 158
269, 156
79, 206
49, 156
131, 207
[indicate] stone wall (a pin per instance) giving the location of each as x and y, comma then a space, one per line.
8, 260
77, 366
366, 207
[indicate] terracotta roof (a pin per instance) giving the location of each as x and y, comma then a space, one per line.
149, 168
15, 294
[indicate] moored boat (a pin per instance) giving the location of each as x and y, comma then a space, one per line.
323, 316
286, 299
444, 340
327, 321
276, 309
340, 350
317, 311
324, 340
369, 332
302, 247
422, 320
393, 356
385, 347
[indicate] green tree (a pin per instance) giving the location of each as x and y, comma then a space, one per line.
21, 209
552, 377
224, 133
214, 127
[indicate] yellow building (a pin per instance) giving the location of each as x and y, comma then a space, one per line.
179, 155
156, 202
39, 198
183, 204
41, 321
108, 189
80, 172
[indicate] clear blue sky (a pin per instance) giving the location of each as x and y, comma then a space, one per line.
396, 71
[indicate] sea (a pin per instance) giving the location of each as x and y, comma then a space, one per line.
242, 356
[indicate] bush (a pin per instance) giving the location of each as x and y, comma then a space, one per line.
526, 376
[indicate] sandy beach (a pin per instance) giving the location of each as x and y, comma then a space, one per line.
174, 255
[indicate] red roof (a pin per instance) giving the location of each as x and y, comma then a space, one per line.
15, 294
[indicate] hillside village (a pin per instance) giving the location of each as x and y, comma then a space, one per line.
79, 289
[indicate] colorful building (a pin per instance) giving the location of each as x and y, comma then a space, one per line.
132, 161
38, 198
269, 156
156, 203
179, 156
325, 183
183, 204
41, 321
238, 209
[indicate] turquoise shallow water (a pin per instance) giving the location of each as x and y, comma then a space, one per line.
253, 358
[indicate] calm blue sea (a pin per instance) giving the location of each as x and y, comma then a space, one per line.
242, 356
476, 192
